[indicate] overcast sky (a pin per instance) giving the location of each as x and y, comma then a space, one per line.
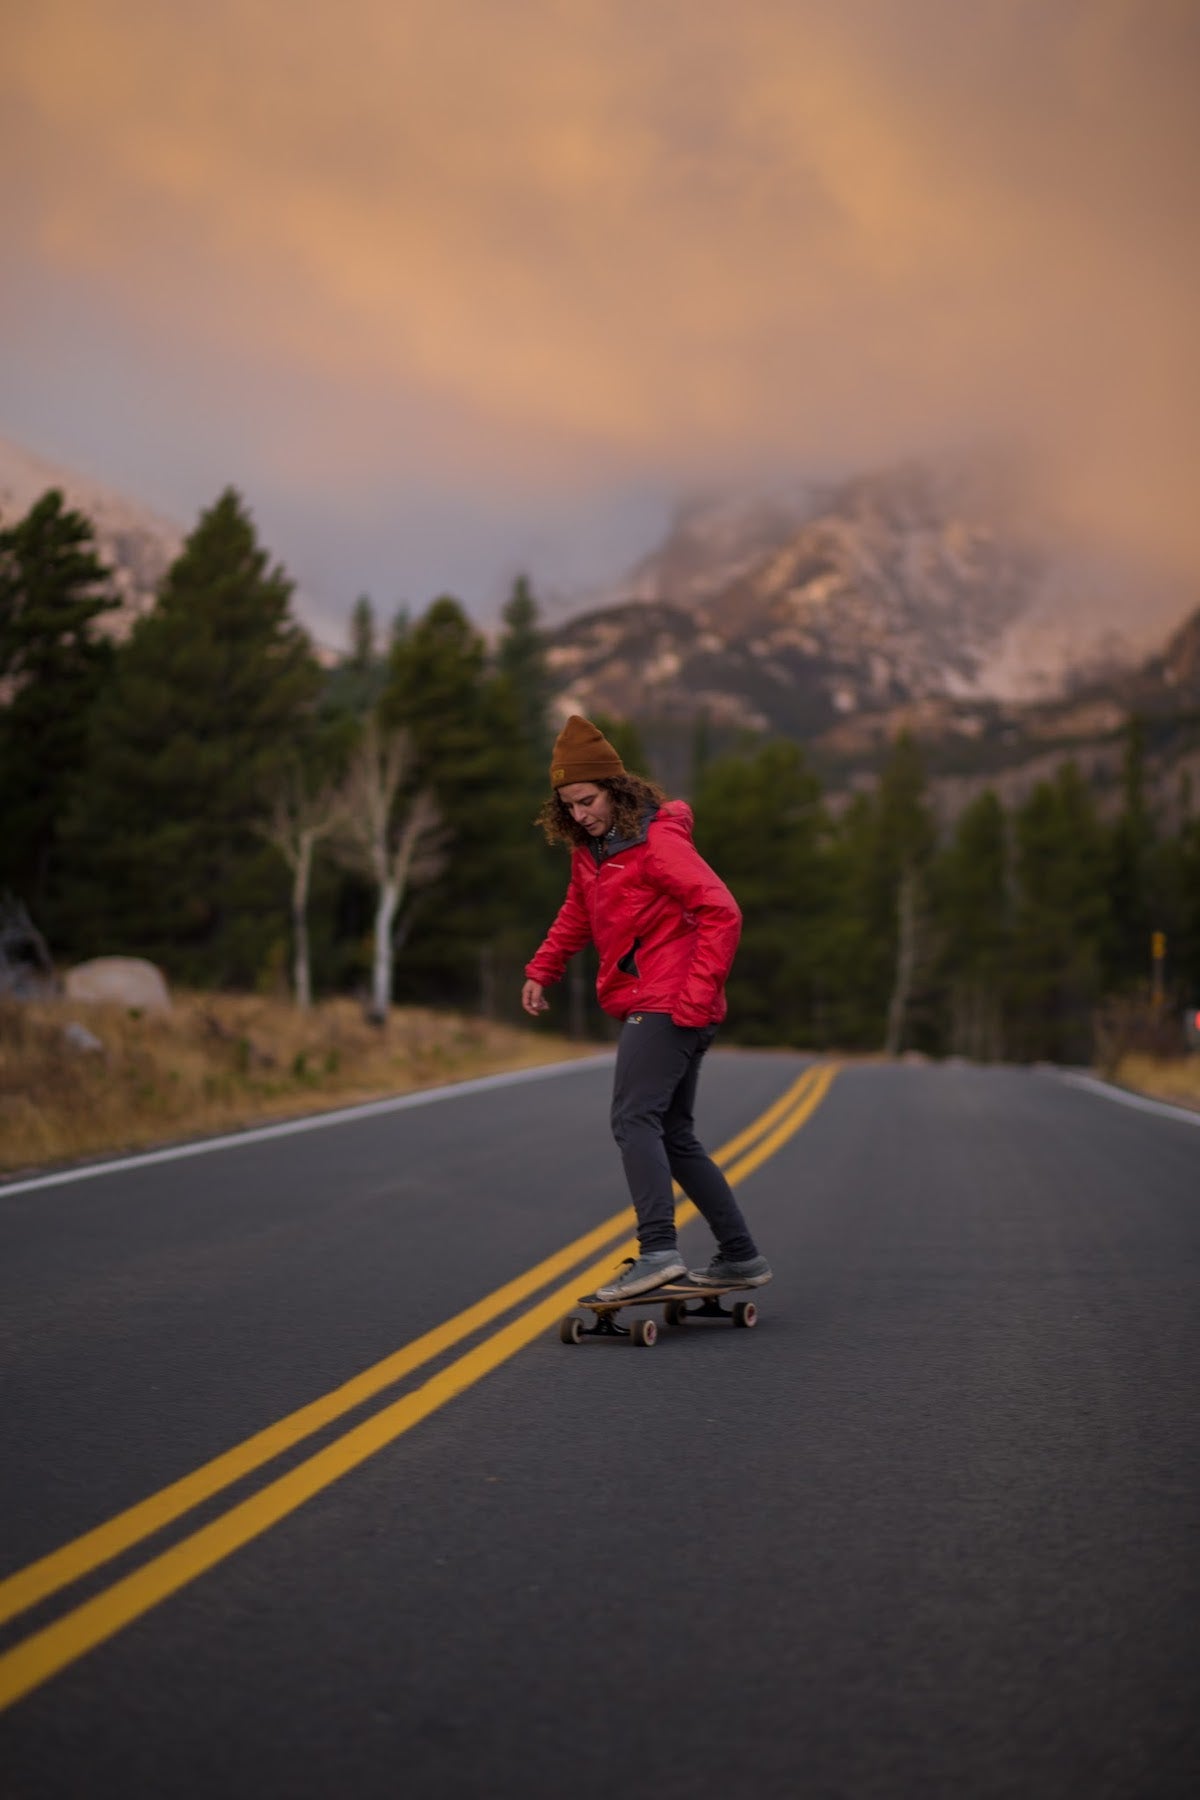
450, 289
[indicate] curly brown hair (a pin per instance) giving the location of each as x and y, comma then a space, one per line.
631, 796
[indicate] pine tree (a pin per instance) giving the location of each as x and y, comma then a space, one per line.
973, 903
536, 873
211, 697
1179, 883
354, 687
362, 634
521, 661
468, 749
1063, 919
858, 946
760, 822
1136, 912
701, 751
882, 950
54, 590
906, 842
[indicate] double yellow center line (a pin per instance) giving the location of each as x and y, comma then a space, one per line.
51, 1648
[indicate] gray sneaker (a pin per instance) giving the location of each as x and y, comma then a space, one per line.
755, 1271
651, 1270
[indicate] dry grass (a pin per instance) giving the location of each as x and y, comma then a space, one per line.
1162, 1077
216, 1062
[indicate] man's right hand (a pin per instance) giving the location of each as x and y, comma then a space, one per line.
533, 998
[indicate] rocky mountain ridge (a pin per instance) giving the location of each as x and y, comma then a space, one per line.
914, 598
1023, 746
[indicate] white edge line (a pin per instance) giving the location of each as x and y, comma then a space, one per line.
1142, 1102
259, 1134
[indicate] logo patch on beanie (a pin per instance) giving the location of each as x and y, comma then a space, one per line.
558, 776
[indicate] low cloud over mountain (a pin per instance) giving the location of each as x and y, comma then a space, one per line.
916, 584
917, 597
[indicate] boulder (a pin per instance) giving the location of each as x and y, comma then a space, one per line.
120, 980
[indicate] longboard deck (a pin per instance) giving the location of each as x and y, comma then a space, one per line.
670, 1290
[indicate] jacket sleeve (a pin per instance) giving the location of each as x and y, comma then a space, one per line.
680, 870
570, 931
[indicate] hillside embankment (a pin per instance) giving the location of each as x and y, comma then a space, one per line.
78, 1081
1174, 1078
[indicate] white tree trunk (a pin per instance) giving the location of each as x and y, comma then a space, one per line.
392, 843
297, 821
301, 876
381, 970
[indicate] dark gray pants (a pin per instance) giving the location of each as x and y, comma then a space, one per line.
654, 1094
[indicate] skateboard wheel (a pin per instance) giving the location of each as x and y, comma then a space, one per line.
645, 1331
675, 1312
745, 1313
570, 1329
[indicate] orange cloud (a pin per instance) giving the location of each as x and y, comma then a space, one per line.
560, 238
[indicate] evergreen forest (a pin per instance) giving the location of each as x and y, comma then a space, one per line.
207, 792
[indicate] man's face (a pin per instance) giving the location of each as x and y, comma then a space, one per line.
589, 805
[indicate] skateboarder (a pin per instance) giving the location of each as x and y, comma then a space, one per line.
666, 928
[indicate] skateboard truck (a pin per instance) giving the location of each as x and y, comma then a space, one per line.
675, 1299
605, 1326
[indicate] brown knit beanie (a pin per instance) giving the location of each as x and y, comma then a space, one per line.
583, 753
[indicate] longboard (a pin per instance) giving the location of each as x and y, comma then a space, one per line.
675, 1298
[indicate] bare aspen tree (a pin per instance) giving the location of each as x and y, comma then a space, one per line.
297, 821
393, 840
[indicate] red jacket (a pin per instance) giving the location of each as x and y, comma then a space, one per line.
665, 926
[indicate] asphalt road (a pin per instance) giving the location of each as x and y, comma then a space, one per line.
931, 1529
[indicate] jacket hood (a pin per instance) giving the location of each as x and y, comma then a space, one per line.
675, 814
678, 815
